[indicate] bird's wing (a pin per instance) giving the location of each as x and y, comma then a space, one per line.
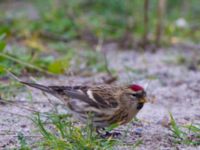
95, 96
104, 95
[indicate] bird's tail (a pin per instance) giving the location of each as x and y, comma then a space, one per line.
38, 86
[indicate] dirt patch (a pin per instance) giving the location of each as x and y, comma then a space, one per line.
175, 85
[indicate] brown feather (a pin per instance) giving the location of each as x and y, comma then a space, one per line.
108, 104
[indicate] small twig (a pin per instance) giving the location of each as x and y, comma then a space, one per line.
99, 49
25, 64
3, 101
111, 78
106, 64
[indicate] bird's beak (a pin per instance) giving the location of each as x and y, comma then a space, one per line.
143, 100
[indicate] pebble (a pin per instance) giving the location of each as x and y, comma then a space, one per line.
138, 131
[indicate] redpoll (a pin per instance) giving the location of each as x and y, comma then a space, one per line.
108, 104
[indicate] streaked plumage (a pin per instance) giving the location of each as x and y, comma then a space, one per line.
106, 104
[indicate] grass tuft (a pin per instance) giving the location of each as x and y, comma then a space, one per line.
60, 132
188, 134
22, 142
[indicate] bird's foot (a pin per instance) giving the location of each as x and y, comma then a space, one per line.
111, 135
107, 134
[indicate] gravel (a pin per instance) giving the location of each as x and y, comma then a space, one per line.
175, 87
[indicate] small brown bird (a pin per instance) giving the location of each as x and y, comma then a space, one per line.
108, 104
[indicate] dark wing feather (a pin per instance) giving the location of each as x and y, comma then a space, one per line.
38, 86
65, 89
75, 92
96, 96
102, 96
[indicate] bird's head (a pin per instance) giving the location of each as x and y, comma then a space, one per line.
137, 95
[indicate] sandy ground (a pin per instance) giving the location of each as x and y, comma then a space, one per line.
176, 88
175, 85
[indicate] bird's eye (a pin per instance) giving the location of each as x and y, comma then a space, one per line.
139, 94
134, 95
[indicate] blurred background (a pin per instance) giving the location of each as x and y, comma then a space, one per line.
43, 35
154, 43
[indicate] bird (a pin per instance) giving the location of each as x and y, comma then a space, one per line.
107, 104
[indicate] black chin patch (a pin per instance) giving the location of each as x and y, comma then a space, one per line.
140, 105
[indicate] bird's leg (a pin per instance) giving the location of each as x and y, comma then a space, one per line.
98, 130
